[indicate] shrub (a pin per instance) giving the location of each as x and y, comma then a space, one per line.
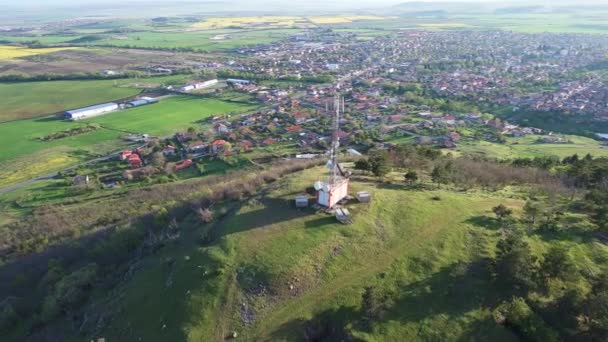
518, 315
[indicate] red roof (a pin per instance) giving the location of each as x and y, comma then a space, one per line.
268, 141
294, 128
218, 142
183, 164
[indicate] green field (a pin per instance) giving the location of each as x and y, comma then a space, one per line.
201, 40
34, 99
528, 147
168, 116
25, 156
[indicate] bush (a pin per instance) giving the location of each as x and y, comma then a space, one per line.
518, 315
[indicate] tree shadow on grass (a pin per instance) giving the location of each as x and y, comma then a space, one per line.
453, 291
484, 222
273, 211
329, 325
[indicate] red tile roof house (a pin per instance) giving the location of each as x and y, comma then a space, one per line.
135, 161
218, 146
183, 164
268, 141
454, 136
300, 117
246, 145
125, 154
294, 128
395, 118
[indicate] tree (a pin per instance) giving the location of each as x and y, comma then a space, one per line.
379, 163
411, 176
439, 175
373, 305
502, 212
558, 264
191, 129
362, 164
596, 309
530, 213
599, 216
515, 267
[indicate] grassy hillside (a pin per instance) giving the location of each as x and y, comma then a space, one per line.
275, 268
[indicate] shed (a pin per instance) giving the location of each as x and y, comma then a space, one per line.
363, 196
301, 201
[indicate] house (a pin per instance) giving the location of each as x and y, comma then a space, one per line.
135, 161
80, 180
185, 137
268, 141
300, 117
197, 146
218, 146
220, 128
294, 128
169, 150
125, 154
183, 164
454, 136
246, 145
394, 118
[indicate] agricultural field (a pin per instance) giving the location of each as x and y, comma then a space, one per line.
25, 100
281, 21
12, 52
215, 40
83, 60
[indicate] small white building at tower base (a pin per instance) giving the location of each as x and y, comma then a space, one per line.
328, 195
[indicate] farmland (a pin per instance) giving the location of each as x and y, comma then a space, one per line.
35, 99
12, 52
281, 21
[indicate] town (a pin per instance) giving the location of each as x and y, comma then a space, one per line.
303, 171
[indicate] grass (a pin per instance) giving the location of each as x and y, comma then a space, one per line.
528, 147
402, 242
13, 52
169, 116
24, 100
200, 40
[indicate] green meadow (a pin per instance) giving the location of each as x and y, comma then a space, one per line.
24, 100
529, 147
168, 116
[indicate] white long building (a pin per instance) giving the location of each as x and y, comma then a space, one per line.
87, 112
